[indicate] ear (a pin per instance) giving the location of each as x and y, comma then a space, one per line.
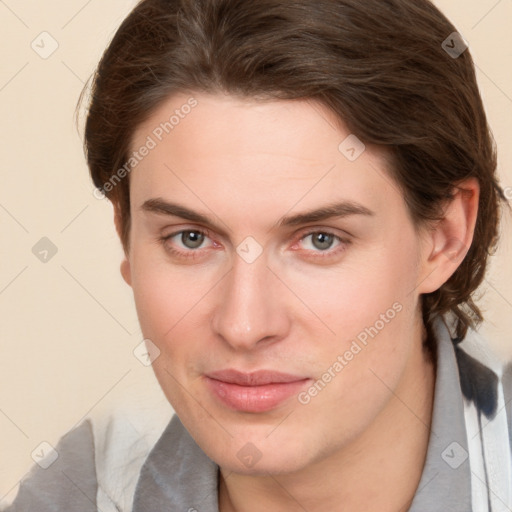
125, 264
448, 241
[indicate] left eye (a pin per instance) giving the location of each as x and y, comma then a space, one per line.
321, 240
189, 239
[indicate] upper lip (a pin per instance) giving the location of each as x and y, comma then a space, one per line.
256, 378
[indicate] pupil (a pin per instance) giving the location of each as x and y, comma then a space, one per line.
192, 239
322, 241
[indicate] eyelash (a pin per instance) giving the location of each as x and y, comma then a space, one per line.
195, 253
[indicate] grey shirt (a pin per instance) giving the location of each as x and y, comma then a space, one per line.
177, 474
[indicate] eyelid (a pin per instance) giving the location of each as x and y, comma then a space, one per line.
323, 229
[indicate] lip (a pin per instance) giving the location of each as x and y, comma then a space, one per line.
258, 391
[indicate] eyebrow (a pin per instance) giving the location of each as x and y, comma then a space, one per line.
334, 210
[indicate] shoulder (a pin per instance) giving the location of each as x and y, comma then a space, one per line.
98, 462
486, 385
64, 478
484, 376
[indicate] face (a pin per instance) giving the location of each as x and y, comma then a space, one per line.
272, 321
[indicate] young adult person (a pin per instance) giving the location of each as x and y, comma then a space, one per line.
306, 195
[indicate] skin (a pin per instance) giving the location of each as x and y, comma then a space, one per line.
360, 443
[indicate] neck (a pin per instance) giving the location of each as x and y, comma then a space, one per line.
379, 471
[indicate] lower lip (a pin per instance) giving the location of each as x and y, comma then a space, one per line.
254, 398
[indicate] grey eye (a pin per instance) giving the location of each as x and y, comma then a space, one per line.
321, 240
192, 239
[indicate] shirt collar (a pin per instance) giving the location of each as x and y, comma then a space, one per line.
178, 475
445, 483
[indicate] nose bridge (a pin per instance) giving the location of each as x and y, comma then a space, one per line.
249, 310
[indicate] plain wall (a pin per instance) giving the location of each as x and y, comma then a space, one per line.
69, 326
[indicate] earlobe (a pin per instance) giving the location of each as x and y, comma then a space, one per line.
450, 239
125, 264
126, 271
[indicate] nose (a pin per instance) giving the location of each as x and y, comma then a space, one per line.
251, 311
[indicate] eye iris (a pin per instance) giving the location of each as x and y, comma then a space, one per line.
322, 240
192, 239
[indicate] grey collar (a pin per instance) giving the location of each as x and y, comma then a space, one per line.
445, 483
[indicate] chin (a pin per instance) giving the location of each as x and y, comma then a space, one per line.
269, 464
258, 454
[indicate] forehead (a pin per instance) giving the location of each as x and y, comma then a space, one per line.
256, 153
225, 124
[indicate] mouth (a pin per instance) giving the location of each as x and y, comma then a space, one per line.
255, 392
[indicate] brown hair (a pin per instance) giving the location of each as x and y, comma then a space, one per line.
378, 65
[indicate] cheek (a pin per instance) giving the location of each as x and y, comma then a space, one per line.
168, 304
357, 371
368, 307
353, 296
154, 299
172, 304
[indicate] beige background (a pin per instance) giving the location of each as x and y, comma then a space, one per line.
68, 326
